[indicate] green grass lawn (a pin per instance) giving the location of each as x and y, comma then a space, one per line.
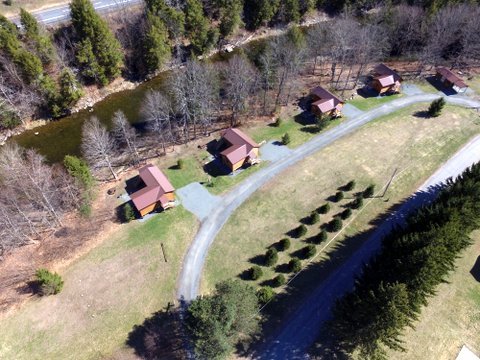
424, 85
192, 170
114, 287
415, 145
298, 136
366, 104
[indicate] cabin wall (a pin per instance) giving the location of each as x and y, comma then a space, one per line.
147, 209
170, 196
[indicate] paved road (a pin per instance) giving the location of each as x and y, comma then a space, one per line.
61, 13
301, 330
193, 263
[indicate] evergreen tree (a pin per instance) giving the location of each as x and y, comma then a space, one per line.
230, 15
284, 244
42, 42
156, 43
197, 27
70, 89
260, 12
98, 51
435, 108
271, 257
325, 208
265, 294
290, 10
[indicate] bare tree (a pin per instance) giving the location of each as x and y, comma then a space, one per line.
268, 70
157, 111
239, 85
125, 135
195, 93
97, 145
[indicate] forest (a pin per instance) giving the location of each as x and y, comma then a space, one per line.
44, 72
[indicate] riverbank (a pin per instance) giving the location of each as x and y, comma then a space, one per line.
95, 95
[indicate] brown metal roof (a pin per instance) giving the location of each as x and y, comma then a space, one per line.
156, 186
241, 145
450, 76
326, 100
382, 71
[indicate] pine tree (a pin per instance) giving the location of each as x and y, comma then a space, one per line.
230, 15
291, 10
197, 27
42, 42
99, 52
260, 12
70, 89
156, 43
435, 108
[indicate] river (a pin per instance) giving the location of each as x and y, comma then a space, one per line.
63, 137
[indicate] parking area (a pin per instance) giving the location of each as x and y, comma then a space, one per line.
195, 198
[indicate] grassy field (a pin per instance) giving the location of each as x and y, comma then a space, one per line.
452, 317
372, 102
107, 292
415, 146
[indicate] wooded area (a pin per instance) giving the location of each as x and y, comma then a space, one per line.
42, 71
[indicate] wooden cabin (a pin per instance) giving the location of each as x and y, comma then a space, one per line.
386, 80
450, 80
324, 103
155, 192
239, 149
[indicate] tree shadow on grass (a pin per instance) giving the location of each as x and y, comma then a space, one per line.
257, 260
158, 337
423, 114
476, 270
245, 275
282, 268
284, 305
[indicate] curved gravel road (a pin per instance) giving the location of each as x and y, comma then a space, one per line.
189, 281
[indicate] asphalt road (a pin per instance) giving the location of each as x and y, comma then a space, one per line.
189, 281
61, 13
300, 331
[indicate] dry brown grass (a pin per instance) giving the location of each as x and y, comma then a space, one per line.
452, 317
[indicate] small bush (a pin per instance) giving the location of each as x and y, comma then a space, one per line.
339, 196
369, 191
271, 257
255, 272
309, 251
346, 214
321, 237
325, 208
435, 108
295, 265
336, 224
128, 213
300, 231
284, 244
180, 164
314, 218
8, 2
350, 185
286, 139
85, 209
357, 203
278, 122
49, 283
279, 280
265, 294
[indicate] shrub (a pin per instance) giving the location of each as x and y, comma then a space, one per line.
325, 208
339, 196
314, 218
277, 122
309, 251
271, 257
128, 213
180, 164
369, 191
300, 231
284, 244
279, 280
346, 214
336, 224
255, 272
350, 185
8, 2
295, 265
436, 107
265, 294
321, 237
358, 202
286, 139
49, 283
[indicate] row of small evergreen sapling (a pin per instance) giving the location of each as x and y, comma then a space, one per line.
270, 259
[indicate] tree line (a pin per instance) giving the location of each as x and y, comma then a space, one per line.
414, 259
42, 72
